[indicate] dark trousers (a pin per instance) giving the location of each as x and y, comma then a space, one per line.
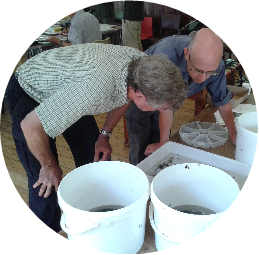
143, 129
81, 138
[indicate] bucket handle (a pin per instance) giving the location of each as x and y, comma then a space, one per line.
76, 230
103, 223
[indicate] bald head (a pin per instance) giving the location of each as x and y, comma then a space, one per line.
203, 54
206, 47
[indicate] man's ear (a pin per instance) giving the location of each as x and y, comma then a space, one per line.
140, 95
186, 53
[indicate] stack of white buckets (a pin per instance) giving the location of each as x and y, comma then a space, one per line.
120, 184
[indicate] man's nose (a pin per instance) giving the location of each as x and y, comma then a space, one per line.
203, 76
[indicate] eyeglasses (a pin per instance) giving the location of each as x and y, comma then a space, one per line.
198, 71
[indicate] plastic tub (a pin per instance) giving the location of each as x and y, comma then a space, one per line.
189, 184
109, 185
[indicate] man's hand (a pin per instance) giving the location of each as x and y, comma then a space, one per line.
49, 177
53, 40
227, 115
151, 148
102, 145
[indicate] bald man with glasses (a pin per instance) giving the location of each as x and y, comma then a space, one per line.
200, 60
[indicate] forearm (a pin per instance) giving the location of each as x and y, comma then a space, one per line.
114, 116
37, 140
102, 144
227, 116
165, 123
55, 41
63, 44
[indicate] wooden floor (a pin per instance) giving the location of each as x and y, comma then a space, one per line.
120, 153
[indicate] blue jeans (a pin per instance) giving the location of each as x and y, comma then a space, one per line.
81, 138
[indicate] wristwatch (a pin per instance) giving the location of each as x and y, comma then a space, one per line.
102, 131
60, 43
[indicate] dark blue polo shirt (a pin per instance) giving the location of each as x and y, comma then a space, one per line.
173, 48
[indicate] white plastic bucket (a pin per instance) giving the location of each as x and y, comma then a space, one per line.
105, 184
247, 127
188, 184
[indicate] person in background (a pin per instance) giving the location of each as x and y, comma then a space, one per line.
60, 90
84, 29
133, 15
200, 61
104, 12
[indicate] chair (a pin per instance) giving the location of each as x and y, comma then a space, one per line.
146, 28
192, 26
170, 25
146, 32
105, 41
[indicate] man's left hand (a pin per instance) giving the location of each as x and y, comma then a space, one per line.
151, 148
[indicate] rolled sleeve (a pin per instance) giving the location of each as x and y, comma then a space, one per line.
220, 94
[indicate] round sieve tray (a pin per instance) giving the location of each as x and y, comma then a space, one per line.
203, 134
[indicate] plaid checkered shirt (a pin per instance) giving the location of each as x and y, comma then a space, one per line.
77, 80
84, 28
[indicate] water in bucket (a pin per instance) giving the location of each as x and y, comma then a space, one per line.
194, 209
106, 208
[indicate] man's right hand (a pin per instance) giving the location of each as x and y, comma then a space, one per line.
53, 40
49, 177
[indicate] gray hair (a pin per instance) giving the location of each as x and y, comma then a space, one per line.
158, 79
192, 42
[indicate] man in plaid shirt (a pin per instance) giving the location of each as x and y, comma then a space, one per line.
59, 91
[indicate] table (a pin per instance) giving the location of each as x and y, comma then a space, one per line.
207, 115
114, 32
38, 48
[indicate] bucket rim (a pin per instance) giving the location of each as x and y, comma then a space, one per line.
145, 196
156, 201
212, 168
99, 163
